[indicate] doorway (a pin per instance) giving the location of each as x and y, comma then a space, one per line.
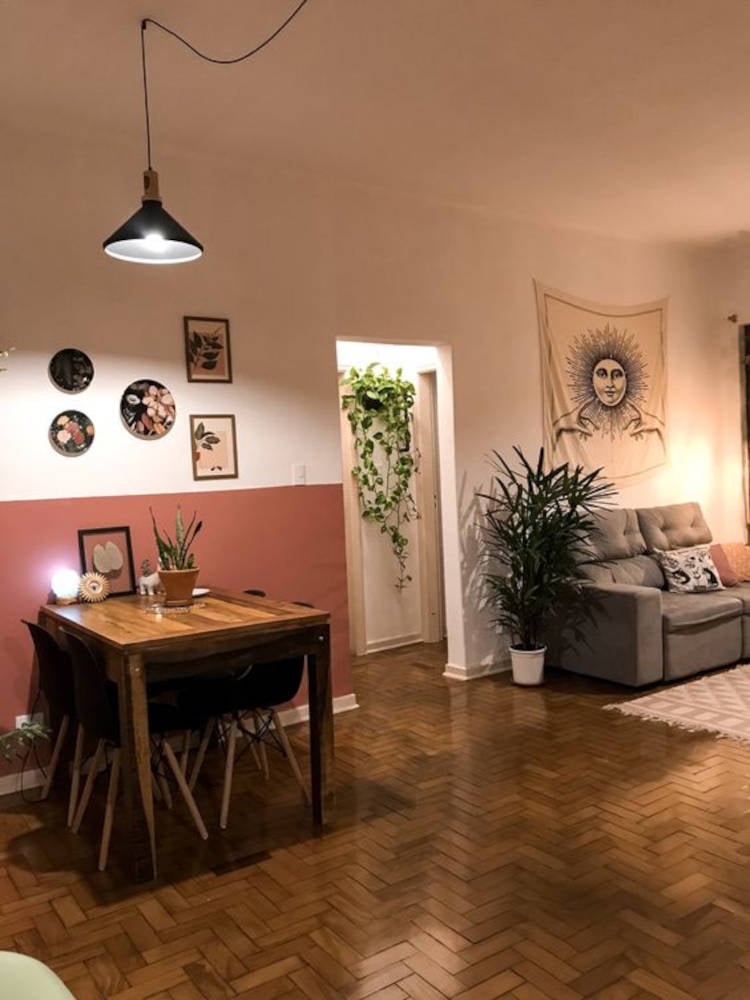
381, 616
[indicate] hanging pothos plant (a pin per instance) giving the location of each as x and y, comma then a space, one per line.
379, 409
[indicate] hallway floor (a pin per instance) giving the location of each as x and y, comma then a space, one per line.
490, 842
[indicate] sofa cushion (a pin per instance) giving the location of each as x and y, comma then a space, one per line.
738, 554
675, 526
689, 571
726, 574
681, 611
615, 535
643, 571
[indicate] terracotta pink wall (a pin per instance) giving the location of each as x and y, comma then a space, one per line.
289, 541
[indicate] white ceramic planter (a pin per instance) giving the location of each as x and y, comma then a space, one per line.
528, 666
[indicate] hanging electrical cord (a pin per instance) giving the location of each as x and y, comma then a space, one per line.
212, 59
151, 235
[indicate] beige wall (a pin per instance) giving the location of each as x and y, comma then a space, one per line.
295, 263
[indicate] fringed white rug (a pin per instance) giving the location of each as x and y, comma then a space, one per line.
716, 704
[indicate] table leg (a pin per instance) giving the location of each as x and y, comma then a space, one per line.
320, 701
139, 830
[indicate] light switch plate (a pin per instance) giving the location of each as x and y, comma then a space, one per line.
299, 474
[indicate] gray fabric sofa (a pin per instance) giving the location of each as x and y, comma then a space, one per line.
626, 627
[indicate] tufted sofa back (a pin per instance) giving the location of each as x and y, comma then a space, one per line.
676, 526
617, 551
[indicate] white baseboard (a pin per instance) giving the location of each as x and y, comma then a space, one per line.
455, 672
11, 783
393, 642
344, 703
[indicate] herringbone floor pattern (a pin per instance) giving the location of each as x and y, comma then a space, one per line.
491, 842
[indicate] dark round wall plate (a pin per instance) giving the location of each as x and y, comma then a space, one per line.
71, 370
71, 433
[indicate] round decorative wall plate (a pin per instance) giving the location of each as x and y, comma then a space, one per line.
71, 370
71, 433
147, 408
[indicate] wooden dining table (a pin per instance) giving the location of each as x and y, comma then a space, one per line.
141, 641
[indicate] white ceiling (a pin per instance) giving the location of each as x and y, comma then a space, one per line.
626, 117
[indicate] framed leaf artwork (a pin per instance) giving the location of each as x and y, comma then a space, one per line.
207, 354
213, 445
108, 551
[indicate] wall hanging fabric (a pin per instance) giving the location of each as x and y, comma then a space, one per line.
604, 383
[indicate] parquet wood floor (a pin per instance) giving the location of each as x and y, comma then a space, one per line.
491, 842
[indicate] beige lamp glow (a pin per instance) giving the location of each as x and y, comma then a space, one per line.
64, 585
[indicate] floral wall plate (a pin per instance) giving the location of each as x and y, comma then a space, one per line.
71, 433
71, 370
147, 408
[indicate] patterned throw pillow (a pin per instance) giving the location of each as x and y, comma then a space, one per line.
689, 571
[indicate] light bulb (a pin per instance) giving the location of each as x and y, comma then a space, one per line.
155, 242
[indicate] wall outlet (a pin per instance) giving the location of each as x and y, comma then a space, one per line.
21, 720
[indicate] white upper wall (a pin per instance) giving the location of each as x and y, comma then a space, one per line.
296, 262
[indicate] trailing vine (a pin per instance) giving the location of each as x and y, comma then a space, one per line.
379, 410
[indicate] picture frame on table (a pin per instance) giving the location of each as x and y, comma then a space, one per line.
213, 446
208, 355
109, 551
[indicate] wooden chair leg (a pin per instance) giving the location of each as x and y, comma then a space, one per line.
75, 778
161, 778
185, 751
203, 746
62, 732
228, 773
251, 739
183, 786
89, 786
155, 788
109, 809
258, 726
290, 754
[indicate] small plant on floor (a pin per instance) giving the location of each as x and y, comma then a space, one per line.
15, 741
379, 410
176, 554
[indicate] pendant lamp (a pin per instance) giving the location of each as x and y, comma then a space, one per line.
151, 235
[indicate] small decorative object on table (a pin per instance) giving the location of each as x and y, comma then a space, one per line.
93, 588
148, 581
177, 570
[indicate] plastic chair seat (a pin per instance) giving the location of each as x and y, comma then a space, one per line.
23, 977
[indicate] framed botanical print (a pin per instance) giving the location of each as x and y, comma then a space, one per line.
213, 444
108, 551
207, 353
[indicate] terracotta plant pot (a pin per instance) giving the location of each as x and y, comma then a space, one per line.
178, 586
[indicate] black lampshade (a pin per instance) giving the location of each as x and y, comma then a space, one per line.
151, 235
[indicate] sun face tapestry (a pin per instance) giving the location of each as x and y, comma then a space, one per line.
604, 384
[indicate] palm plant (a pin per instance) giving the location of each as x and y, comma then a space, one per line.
534, 524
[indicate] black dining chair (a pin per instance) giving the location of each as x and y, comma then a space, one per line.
97, 708
56, 684
246, 706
